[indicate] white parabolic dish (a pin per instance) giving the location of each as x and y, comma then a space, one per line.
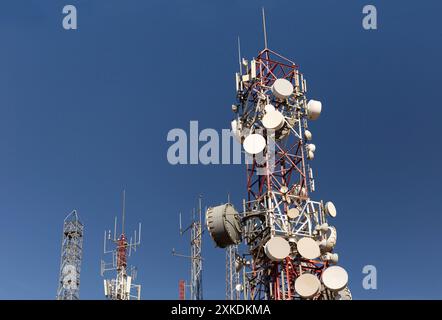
335, 278
311, 147
293, 213
282, 88
314, 108
273, 120
254, 143
308, 248
308, 135
277, 248
307, 285
330, 209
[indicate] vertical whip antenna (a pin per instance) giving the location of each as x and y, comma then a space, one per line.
124, 211
239, 56
264, 27
199, 207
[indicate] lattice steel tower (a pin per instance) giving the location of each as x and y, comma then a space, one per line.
196, 260
71, 255
234, 285
288, 250
122, 286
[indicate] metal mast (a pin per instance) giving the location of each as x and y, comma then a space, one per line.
121, 287
196, 260
71, 255
234, 285
288, 252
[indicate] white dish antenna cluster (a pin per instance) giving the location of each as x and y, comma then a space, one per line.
273, 119
330, 238
320, 247
334, 278
313, 110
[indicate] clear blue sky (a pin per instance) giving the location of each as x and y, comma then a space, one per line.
85, 113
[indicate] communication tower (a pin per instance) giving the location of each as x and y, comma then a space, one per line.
196, 260
288, 243
122, 286
71, 255
234, 286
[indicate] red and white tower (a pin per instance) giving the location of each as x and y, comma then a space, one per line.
288, 250
122, 286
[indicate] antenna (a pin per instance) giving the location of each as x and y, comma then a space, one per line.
115, 229
264, 27
239, 55
124, 211
196, 261
122, 287
199, 208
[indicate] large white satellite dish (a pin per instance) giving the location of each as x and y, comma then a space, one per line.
224, 225
282, 88
277, 248
330, 209
335, 278
273, 120
254, 143
314, 108
307, 285
308, 248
